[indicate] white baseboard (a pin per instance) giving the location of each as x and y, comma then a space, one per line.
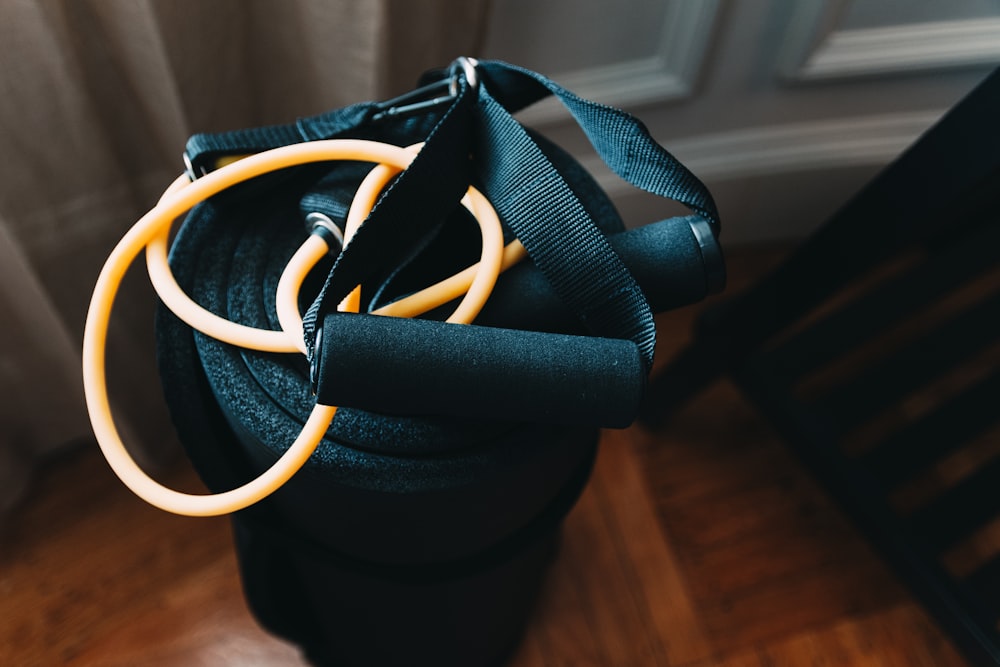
777, 183
795, 147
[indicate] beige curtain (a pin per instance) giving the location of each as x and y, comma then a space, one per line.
97, 98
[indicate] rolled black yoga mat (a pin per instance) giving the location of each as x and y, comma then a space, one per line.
406, 538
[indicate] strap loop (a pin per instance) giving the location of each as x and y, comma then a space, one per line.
532, 198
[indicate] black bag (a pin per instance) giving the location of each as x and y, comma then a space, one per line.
420, 529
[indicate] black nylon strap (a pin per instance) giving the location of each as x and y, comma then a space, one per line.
416, 202
541, 209
203, 150
527, 191
621, 140
556, 230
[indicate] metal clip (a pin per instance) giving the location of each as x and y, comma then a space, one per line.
317, 352
324, 226
428, 97
189, 169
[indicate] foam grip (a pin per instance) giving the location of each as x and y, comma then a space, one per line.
676, 262
409, 366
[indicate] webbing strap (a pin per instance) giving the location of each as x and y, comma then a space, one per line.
534, 199
529, 194
413, 205
563, 241
203, 150
621, 140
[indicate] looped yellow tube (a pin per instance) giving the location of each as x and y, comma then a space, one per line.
153, 229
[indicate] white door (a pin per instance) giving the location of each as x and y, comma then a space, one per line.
784, 108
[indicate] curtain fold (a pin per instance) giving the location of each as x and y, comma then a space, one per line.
97, 98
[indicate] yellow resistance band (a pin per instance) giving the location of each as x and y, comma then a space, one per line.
152, 231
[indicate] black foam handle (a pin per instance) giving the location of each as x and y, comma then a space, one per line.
408, 366
676, 262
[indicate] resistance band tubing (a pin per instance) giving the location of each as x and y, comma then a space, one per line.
172, 206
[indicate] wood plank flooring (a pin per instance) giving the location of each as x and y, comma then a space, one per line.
702, 544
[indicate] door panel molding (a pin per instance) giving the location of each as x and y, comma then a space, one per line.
816, 48
666, 75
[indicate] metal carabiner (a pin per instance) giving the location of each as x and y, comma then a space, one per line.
426, 97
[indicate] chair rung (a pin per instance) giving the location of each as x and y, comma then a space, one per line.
885, 382
930, 438
886, 304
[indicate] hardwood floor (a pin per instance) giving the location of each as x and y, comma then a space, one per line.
702, 544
